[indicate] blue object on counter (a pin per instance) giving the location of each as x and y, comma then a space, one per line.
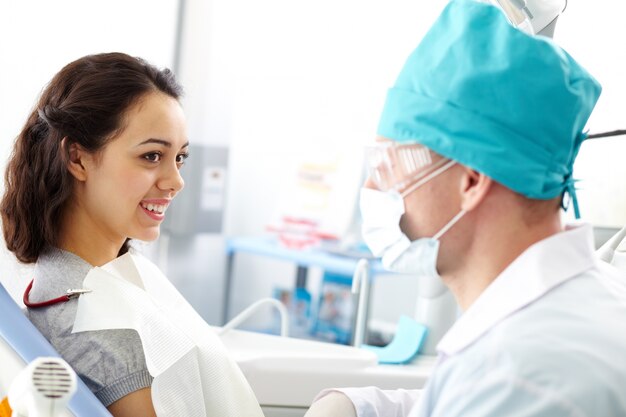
405, 344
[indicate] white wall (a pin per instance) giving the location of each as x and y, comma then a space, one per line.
306, 78
593, 33
38, 37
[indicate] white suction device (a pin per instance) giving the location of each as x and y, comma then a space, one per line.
43, 388
435, 308
607, 251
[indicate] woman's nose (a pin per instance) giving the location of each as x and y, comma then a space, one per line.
172, 180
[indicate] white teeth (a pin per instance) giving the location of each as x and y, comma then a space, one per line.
156, 208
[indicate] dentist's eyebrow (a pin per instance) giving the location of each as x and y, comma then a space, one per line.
160, 142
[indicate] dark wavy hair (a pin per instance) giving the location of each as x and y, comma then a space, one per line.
85, 103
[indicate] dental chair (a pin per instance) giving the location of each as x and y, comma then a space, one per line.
20, 344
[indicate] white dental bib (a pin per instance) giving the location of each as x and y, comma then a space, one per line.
194, 376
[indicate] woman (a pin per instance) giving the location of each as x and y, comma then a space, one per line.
96, 164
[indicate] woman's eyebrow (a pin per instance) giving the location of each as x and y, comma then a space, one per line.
160, 142
157, 141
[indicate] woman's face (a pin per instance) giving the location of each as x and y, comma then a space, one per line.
129, 185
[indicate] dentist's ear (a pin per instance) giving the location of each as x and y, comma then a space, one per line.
76, 159
474, 188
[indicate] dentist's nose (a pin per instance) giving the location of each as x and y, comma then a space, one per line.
369, 183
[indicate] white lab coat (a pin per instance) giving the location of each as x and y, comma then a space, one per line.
547, 338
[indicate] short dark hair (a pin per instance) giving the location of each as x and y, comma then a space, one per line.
85, 103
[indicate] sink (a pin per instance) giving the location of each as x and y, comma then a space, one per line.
286, 372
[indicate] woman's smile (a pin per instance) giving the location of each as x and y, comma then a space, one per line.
155, 208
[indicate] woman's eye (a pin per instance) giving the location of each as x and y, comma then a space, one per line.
152, 157
180, 158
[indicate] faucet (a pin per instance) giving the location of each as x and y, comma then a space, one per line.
360, 286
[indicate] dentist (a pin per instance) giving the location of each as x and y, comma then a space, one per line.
477, 144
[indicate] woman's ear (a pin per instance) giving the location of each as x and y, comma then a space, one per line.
77, 159
474, 188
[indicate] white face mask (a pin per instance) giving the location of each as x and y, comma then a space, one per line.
381, 213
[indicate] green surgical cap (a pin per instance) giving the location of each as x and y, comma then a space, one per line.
485, 94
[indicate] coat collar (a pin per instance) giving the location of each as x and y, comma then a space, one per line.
535, 272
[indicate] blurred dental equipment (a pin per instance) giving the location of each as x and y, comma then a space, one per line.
245, 314
607, 251
614, 254
618, 132
43, 388
532, 16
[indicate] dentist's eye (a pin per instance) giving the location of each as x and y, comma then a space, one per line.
152, 156
180, 158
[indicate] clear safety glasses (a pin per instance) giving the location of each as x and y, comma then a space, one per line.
392, 166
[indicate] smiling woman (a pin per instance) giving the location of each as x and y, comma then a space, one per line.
96, 164
122, 191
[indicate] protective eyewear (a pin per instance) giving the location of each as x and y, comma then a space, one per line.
393, 166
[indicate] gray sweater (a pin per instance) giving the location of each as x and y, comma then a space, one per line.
110, 362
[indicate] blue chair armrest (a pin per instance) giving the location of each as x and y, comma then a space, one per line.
24, 338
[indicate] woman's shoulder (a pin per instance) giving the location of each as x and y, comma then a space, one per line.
56, 267
111, 362
105, 359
